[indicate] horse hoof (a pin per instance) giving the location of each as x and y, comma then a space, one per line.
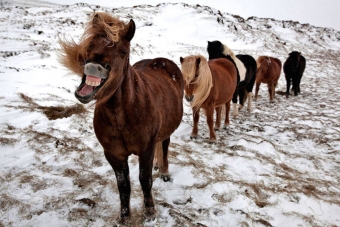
124, 220
193, 137
216, 129
150, 213
212, 141
166, 178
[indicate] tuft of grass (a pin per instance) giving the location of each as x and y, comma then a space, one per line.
53, 112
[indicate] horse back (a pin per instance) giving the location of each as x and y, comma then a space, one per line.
161, 67
275, 68
224, 75
250, 63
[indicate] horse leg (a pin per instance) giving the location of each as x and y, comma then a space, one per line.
196, 116
257, 90
164, 171
298, 84
288, 86
227, 109
250, 97
242, 96
145, 178
235, 110
121, 169
210, 122
271, 91
295, 85
218, 118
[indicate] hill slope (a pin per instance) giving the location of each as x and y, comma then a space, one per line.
277, 166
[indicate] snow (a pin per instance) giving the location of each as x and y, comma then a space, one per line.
275, 166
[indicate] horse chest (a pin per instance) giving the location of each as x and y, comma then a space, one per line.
122, 132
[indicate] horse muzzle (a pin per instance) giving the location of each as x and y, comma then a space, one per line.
189, 98
94, 78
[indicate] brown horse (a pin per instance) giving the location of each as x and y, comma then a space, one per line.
137, 107
208, 85
268, 72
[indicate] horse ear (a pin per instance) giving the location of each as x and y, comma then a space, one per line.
95, 20
198, 61
181, 59
130, 32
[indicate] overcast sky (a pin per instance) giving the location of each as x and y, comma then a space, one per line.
324, 13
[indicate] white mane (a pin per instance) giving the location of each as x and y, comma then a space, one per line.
240, 66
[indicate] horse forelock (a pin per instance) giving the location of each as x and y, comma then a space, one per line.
203, 82
105, 24
73, 55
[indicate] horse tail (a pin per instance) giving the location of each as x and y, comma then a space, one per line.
158, 158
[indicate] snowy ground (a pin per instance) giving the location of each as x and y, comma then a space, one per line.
277, 166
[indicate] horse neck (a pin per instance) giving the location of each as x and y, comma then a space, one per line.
113, 90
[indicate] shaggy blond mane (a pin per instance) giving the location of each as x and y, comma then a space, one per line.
240, 66
73, 55
259, 61
203, 82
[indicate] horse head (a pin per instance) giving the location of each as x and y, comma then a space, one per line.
190, 74
100, 58
262, 64
295, 59
215, 49
197, 77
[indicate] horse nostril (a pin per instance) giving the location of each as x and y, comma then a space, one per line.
107, 67
189, 98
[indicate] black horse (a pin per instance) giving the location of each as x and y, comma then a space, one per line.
293, 68
246, 68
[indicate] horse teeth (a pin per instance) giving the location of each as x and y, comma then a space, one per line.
94, 84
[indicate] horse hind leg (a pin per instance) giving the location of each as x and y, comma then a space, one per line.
218, 118
234, 99
242, 97
271, 91
227, 109
257, 88
250, 97
162, 159
210, 122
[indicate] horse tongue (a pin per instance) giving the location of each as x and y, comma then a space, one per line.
87, 89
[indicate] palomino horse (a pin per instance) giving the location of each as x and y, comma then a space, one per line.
293, 68
268, 72
137, 107
246, 66
208, 85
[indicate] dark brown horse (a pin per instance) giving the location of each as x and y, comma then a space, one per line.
293, 68
137, 107
268, 72
208, 85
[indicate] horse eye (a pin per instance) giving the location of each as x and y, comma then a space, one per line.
123, 53
107, 67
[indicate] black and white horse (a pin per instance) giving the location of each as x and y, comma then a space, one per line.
293, 68
246, 67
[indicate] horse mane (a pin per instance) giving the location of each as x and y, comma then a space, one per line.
260, 60
73, 56
240, 66
203, 81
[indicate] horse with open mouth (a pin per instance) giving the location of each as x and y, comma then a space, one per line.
137, 107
